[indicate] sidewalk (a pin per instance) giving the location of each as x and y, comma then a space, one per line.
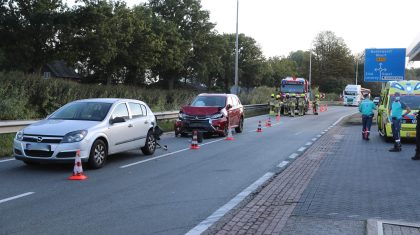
333, 188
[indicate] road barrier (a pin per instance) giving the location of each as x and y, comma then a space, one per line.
16, 125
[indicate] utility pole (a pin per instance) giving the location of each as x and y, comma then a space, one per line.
236, 49
310, 73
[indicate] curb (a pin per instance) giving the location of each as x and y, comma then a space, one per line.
376, 227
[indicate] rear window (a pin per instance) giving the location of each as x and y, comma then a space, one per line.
213, 101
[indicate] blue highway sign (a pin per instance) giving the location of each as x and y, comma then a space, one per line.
382, 65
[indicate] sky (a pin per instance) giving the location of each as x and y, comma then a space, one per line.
282, 26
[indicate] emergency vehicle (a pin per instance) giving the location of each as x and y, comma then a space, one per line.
298, 86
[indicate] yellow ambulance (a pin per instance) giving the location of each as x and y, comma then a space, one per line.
410, 95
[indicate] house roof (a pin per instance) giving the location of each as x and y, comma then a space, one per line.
60, 69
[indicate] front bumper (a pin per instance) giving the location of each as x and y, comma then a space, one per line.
201, 125
62, 152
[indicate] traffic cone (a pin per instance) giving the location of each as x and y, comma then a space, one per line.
78, 169
230, 135
269, 122
194, 142
259, 129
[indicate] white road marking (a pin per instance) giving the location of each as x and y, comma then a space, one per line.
7, 160
298, 133
293, 156
283, 164
318, 136
339, 120
322, 132
314, 139
204, 225
16, 197
301, 149
167, 154
325, 130
309, 143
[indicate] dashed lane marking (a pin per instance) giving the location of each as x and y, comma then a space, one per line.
294, 155
309, 143
301, 149
318, 136
204, 225
15, 197
283, 164
314, 139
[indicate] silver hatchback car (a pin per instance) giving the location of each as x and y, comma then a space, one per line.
96, 127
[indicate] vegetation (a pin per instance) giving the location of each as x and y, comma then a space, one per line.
6, 144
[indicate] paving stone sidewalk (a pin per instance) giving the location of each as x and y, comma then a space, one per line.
333, 188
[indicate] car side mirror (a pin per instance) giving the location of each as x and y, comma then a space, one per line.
229, 106
117, 120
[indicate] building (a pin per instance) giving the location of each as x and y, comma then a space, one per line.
59, 69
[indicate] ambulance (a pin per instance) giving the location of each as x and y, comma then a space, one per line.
410, 95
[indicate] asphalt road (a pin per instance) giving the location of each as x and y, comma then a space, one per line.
168, 193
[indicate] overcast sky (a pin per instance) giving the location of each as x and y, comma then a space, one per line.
282, 26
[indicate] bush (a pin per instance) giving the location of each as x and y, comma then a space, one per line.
28, 97
258, 95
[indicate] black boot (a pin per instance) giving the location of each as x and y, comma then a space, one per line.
416, 157
367, 135
396, 148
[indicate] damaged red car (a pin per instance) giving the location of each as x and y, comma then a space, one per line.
211, 114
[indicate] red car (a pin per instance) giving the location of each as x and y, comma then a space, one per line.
212, 114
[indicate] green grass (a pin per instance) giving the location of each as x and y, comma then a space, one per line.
6, 144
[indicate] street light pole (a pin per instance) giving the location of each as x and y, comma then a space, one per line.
357, 68
310, 73
236, 49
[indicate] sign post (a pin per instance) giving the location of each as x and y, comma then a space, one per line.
383, 65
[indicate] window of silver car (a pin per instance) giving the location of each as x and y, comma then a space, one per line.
89, 111
144, 109
136, 110
121, 111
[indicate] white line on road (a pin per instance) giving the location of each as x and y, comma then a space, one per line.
298, 133
314, 139
318, 136
325, 130
301, 149
283, 164
7, 160
322, 132
167, 154
204, 225
16, 197
339, 120
309, 143
293, 156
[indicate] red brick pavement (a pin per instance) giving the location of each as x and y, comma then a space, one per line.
268, 211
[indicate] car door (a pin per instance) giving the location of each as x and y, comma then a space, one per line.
120, 134
140, 123
231, 111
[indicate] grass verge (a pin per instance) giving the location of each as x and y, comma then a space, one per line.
6, 144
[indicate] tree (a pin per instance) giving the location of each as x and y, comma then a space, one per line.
281, 68
30, 31
301, 58
332, 63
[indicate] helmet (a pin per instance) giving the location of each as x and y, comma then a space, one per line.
287, 95
302, 95
277, 96
293, 95
272, 95
317, 96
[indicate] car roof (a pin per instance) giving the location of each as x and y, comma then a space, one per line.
214, 94
107, 100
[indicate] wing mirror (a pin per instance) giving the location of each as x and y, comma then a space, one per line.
117, 120
229, 106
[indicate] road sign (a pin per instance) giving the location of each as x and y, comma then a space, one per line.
382, 65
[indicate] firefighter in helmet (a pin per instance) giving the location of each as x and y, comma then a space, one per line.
301, 104
277, 105
272, 103
315, 104
286, 104
292, 104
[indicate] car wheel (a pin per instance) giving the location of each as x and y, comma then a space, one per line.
387, 139
150, 146
240, 128
98, 154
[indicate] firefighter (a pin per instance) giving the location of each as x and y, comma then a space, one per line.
286, 104
292, 104
271, 103
277, 105
301, 104
315, 105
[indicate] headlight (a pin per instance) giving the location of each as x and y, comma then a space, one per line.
19, 135
181, 115
217, 116
75, 136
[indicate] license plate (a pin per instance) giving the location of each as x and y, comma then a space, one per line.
37, 146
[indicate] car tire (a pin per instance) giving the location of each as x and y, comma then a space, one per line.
98, 154
150, 146
387, 139
240, 127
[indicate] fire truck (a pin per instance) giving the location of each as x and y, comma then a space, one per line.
294, 85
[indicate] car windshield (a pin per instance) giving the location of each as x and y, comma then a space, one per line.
412, 101
89, 111
350, 92
292, 88
215, 101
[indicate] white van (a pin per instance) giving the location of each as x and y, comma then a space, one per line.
352, 95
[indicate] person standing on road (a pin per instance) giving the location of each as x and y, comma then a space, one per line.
366, 107
394, 115
417, 155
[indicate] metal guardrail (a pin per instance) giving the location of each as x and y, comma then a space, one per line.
14, 126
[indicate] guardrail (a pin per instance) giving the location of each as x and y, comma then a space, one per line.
14, 126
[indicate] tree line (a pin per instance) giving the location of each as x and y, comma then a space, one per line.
163, 43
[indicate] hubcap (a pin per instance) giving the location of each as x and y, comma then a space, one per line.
151, 143
99, 154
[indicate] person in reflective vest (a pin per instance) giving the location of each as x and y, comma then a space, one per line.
394, 116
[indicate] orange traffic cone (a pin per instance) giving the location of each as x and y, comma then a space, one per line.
194, 142
269, 122
78, 169
230, 135
259, 129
